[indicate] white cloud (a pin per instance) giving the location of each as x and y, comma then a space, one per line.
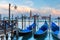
3, 2
49, 10
29, 3
26, 9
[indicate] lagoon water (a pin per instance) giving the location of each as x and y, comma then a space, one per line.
26, 24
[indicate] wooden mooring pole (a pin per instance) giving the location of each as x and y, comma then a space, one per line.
12, 24
34, 29
22, 21
17, 35
6, 36
0, 17
49, 26
59, 26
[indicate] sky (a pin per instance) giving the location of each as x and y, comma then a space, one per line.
41, 7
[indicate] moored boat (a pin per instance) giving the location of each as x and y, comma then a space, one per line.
42, 32
55, 31
27, 31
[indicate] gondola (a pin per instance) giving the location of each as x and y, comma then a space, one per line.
55, 31
42, 32
27, 37
27, 31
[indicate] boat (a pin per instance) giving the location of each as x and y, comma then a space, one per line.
27, 31
42, 32
55, 31
27, 37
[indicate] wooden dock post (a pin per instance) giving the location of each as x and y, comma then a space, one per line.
34, 29
4, 26
12, 28
37, 21
0, 17
49, 26
12, 17
58, 21
59, 26
6, 36
17, 30
17, 27
29, 20
16, 21
22, 21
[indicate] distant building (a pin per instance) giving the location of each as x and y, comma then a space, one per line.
30, 14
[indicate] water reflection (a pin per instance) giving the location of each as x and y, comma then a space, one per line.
54, 37
26, 37
41, 37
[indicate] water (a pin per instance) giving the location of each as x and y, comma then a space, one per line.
31, 37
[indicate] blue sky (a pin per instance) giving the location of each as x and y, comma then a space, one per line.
43, 6
33, 3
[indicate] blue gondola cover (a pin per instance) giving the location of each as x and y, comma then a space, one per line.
31, 26
42, 29
54, 27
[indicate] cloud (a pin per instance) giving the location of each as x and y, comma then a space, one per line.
4, 6
29, 3
58, 6
55, 11
21, 9
25, 9
49, 10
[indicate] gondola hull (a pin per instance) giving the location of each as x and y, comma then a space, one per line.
55, 31
43, 35
24, 33
55, 37
21, 33
26, 37
42, 32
